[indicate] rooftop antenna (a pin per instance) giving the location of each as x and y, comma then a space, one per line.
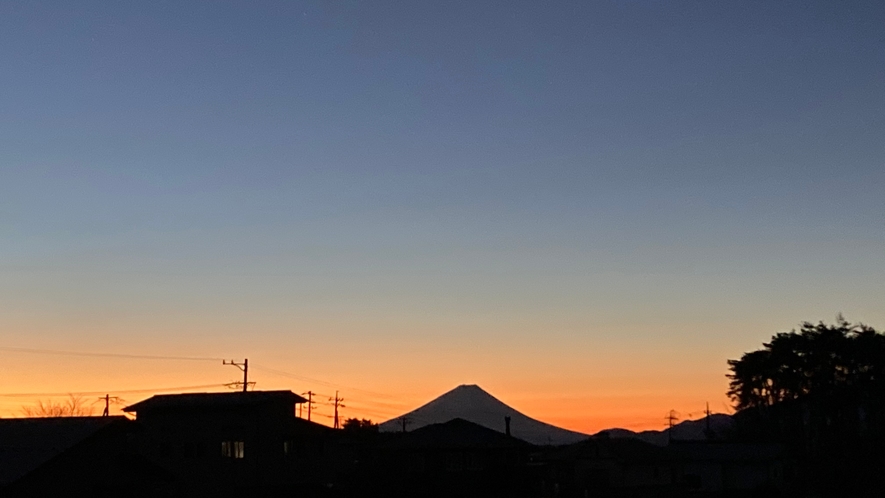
242, 366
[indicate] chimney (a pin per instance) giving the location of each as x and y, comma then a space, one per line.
507, 424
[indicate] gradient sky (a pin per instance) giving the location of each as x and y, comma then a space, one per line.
584, 207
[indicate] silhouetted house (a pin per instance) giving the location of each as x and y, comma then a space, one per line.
225, 444
730, 467
603, 466
75, 456
456, 458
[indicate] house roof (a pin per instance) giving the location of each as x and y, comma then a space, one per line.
28, 443
456, 433
215, 400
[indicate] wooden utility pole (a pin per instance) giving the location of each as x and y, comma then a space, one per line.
107, 404
337, 401
309, 403
242, 366
709, 433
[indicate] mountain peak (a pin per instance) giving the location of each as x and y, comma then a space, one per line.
469, 390
466, 388
472, 403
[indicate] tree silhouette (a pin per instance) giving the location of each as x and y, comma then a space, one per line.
841, 362
74, 406
360, 426
820, 390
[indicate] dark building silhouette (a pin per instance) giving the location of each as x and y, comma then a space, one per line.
456, 458
76, 456
227, 444
252, 444
604, 466
732, 467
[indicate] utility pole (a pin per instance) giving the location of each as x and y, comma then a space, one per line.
671, 417
242, 366
309, 403
338, 404
709, 433
107, 403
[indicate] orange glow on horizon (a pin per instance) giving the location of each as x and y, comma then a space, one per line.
571, 385
583, 413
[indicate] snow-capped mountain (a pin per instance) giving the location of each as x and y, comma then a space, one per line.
471, 403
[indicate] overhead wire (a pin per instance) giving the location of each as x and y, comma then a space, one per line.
185, 358
354, 403
106, 355
321, 382
58, 352
358, 410
106, 391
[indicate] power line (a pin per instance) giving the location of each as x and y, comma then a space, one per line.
381, 404
303, 378
371, 412
245, 383
100, 393
321, 382
386, 413
106, 355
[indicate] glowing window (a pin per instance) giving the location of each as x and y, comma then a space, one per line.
233, 449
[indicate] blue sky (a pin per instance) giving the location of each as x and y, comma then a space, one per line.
692, 174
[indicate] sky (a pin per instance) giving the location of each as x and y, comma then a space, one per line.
586, 208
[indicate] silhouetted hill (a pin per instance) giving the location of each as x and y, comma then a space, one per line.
470, 402
689, 430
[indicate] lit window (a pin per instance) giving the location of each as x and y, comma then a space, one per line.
233, 449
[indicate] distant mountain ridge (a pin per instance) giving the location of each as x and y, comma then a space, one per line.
689, 430
472, 403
